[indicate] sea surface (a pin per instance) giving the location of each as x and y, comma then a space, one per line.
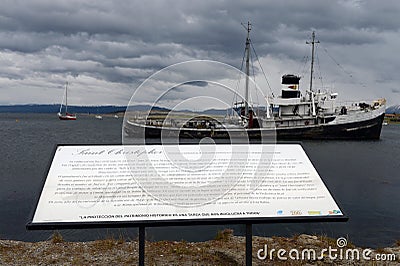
363, 177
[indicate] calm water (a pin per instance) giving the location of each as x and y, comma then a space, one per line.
363, 176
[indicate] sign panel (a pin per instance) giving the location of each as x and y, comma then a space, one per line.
156, 183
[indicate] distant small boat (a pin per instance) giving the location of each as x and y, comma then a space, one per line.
98, 117
116, 116
385, 123
66, 115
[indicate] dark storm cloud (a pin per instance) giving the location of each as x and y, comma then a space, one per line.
204, 25
123, 42
198, 83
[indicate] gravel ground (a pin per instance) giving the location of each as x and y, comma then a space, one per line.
226, 249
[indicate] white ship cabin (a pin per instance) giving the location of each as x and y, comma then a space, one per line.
292, 103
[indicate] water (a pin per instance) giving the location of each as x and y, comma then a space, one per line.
363, 176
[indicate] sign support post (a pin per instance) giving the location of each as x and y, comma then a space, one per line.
249, 244
142, 244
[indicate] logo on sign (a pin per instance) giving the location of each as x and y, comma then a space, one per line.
314, 212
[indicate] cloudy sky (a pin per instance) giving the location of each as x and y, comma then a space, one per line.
106, 49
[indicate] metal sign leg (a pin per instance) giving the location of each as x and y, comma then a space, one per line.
142, 238
249, 244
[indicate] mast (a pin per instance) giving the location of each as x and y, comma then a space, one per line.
66, 97
246, 100
313, 42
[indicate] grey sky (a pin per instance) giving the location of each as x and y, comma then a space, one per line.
105, 49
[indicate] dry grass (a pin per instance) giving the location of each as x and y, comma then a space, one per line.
224, 235
57, 237
226, 249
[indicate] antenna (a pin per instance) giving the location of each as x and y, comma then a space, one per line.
248, 27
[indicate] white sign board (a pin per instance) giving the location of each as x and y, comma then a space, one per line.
153, 183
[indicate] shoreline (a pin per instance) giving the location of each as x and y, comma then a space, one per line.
225, 249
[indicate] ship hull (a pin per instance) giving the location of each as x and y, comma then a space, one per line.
361, 130
369, 129
66, 117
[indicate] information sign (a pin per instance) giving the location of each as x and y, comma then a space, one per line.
181, 183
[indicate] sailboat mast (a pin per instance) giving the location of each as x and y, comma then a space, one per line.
66, 97
246, 100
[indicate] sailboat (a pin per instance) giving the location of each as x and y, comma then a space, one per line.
293, 116
66, 115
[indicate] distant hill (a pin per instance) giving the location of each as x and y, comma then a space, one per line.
54, 108
147, 107
394, 109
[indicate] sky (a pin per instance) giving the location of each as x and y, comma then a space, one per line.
106, 49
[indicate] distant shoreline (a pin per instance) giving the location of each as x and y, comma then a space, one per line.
111, 109
54, 108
